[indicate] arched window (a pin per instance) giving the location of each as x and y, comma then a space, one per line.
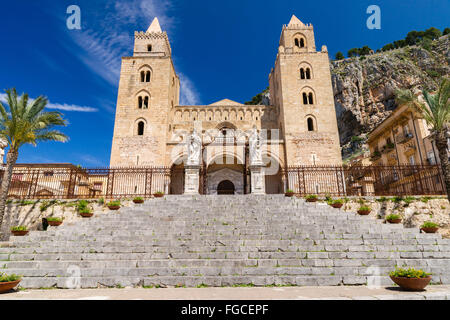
302, 43
297, 44
308, 73
149, 48
305, 98
302, 74
310, 124
142, 76
143, 101
140, 102
310, 98
146, 102
145, 76
140, 128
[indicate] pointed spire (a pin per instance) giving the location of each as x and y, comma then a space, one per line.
154, 27
295, 21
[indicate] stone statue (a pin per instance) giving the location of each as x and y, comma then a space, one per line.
255, 144
194, 149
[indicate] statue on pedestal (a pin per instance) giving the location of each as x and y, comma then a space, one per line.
255, 145
194, 149
3, 145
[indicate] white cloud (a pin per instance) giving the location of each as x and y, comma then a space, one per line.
57, 106
111, 37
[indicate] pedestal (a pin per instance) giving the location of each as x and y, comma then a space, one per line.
192, 180
258, 179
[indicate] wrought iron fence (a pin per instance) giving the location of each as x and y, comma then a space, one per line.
399, 180
115, 183
72, 183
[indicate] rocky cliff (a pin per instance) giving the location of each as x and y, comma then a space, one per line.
364, 86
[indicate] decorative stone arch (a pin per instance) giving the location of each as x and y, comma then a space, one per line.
273, 172
211, 159
299, 41
145, 73
143, 99
311, 123
177, 174
305, 71
308, 96
140, 127
226, 125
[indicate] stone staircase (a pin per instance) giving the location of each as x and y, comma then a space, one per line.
223, 241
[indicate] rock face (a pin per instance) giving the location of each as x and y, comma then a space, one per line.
364, 87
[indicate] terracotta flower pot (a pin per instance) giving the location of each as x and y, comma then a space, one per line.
412, 284
395, 221
86, 215
364, 212
54, 223
430, 230
19, 233
289, 194
337, 205
138, 201
7, 286
311, 200
114, 208
158, 195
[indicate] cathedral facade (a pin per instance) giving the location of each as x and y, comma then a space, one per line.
297, 128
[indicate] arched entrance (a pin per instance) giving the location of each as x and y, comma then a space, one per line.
225, 187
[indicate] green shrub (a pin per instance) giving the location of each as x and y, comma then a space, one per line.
397, 199
56, 219
9, 278
408, 201
429, 224
138, 199
338, 201
311, 197
19, 228
328, 197
393, 217
365, 208
409, 273
85, 210
101, 201
82, 205
25, 203
159, 192
47, 204
289, 191
114, 203
382, 199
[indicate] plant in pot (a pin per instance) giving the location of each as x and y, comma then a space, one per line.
289, 193
83, 209
159, 194
114, 205
394, 219
8, 282
54, 221
410, 279
337, 203
138, 200
311, 198
429, 227
19, 231
364, 210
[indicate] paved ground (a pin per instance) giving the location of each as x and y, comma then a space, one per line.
278, 293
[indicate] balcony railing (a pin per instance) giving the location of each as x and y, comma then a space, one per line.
403, 138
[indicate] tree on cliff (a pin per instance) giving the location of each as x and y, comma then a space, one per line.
340, 56
25, 122
436, 112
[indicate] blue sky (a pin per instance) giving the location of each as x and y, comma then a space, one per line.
221, 49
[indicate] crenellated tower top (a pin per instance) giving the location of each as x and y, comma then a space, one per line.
153, 42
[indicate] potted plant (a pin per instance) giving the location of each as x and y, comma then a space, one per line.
364, 210
114, 205
138, 200
311, 198
159, 194
410, 279
54, 221
337, 203
289, 193
83, 209
429, 227
19, 231
394, 219
8, 282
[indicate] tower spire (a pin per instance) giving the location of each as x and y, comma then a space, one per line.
295, 21
155, 26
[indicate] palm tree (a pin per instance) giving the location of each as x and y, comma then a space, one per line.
26, 122
436, 112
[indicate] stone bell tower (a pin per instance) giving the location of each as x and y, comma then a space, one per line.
300, 86
148, 90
